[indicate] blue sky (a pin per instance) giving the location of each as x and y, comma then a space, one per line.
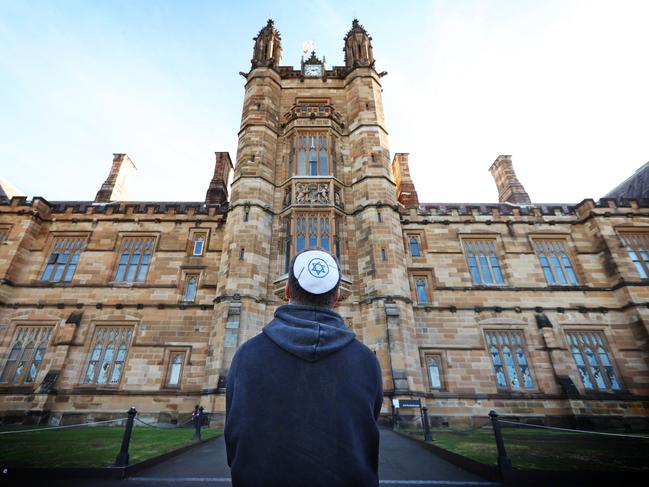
560, 85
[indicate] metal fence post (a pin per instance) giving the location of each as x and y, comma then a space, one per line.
122, 456
198, 421
427, 434
504, 463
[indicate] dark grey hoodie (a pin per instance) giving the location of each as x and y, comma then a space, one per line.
302, 402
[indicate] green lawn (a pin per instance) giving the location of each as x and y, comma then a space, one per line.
546, 449
95, 446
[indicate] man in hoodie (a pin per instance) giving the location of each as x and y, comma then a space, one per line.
304, 395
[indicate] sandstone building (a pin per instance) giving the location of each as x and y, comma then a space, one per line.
540, 311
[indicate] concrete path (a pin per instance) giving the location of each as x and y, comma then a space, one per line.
401, 462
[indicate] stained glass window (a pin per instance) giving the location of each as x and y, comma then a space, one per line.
135, 259
483, 262
63, 259
555, 262
591, 357
26, 354
108, 355
509, 360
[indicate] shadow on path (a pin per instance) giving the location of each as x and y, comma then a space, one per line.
401, 462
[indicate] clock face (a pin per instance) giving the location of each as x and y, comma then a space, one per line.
313, 70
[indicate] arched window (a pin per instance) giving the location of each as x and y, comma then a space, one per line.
554, 260
134, 260
63, 259
509, 360
175, 368
108, 355
592, 360
26, 355
190, 289
422, 293
434, 375
414, 247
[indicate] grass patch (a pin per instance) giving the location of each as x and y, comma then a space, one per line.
95, 446
536, 449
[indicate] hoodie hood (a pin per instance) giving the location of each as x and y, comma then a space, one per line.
308, 332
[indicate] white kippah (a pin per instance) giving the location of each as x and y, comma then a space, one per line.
316, 271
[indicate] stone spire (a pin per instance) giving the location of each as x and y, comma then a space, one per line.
510, 190
114, 188
268, 47
358, 47
217, 193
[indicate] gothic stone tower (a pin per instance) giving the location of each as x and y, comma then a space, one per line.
313, 170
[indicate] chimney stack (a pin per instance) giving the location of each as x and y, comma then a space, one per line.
217, 193
510, 190
406, 192
114, 188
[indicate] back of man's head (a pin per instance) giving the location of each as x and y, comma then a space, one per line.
313, 279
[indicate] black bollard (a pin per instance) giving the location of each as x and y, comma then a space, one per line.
122, 456
504, 463
198, 421
427, 434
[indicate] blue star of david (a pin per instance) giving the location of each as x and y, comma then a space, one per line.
318, 268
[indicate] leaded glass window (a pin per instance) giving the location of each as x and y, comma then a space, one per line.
174, 373
509, 360
637, 247
483, 262
63, 259
26, 354
108, 355
433, 366
134, 259
315, 154
591, 357
422, 291
191, 285
413, 241
555, 262
287, 243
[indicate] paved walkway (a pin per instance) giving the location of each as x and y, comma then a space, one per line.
401, 462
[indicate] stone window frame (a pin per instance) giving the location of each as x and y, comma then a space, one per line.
41, 332
629, 239
50, 245
332, 147
440, 355
420, 236
186, 274
570, 252
194, 234
122, 236
169, 354
499, 252
415, 274
528, 356
607, 341
89, 349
